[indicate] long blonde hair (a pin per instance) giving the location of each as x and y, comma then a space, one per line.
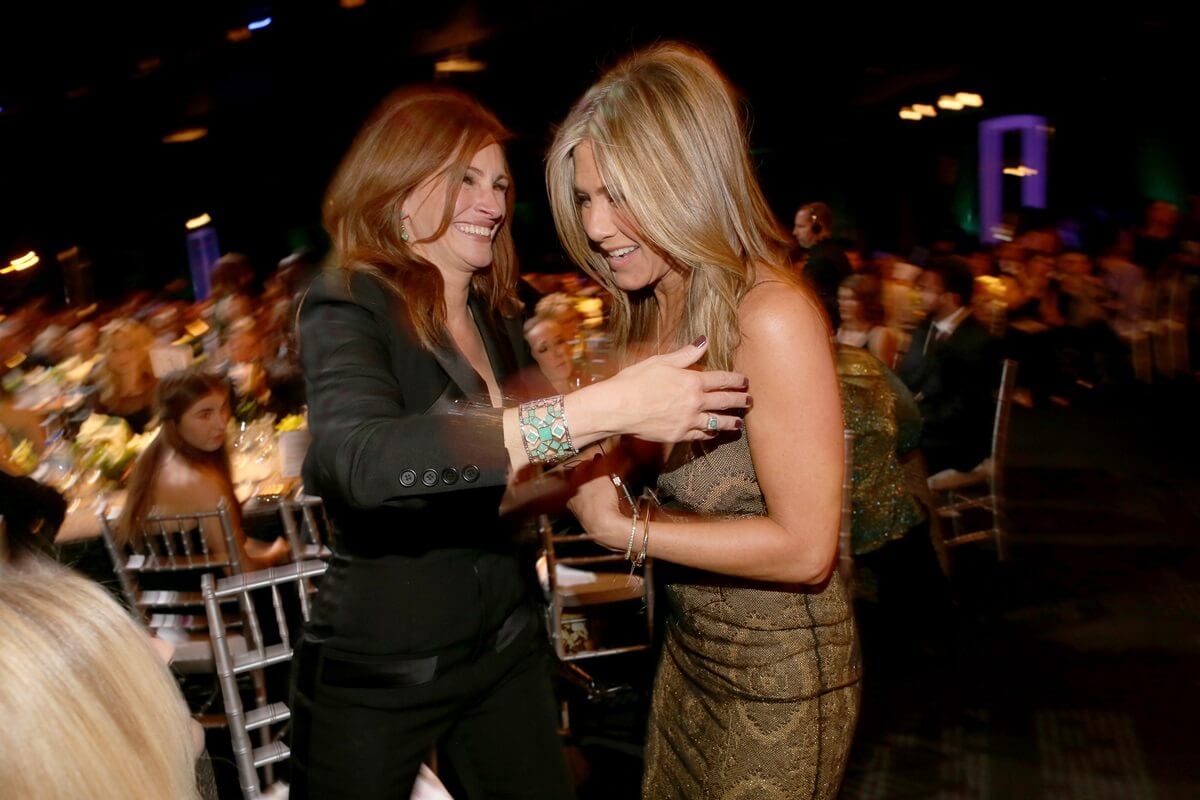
89, 708
415, 134
669, 141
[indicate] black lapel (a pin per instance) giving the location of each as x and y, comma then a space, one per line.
461, 373
499, 351
495, 340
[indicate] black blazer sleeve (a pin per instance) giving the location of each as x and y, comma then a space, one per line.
370, 386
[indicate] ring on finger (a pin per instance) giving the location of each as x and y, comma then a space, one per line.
712, 423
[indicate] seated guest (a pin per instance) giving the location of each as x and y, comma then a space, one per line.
552, 351
124, 377
950, 369
186, 468
860, 303
83, 341
49, 346
261, 384
285, 377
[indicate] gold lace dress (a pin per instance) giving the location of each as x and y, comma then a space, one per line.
757, 691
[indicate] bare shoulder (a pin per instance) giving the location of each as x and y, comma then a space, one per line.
181, 486
779, 313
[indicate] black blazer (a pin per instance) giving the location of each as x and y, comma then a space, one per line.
409, 457
954, 384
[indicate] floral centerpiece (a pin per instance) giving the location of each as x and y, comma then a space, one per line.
292, 422
107, 444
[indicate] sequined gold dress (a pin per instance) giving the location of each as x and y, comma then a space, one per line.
757, 691
886, 421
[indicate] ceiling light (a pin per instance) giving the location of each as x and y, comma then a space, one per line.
1021, 171
21, 264
185, 135
459, 62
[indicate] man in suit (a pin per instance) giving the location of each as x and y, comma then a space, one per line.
951, 369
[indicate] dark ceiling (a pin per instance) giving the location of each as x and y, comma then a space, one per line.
88, 94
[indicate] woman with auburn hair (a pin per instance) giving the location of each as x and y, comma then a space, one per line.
124, 378
186, 468
425, 631
89, 706
654, 195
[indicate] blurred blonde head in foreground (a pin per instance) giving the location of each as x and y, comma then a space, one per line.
89, 708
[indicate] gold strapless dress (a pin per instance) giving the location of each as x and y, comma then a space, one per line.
758, 688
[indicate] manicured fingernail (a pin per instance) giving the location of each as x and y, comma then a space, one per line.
749, 401
703, 340
738, 424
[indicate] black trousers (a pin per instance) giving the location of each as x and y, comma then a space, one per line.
493, 714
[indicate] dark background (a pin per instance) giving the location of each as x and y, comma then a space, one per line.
89, 91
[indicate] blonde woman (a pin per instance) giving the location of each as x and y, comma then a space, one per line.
654, 196
125, 380
89, 706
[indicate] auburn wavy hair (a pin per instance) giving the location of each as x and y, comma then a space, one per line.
415, 134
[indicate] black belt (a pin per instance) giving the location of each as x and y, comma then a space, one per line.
320, 664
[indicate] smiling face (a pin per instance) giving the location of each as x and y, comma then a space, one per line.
634, 264
203, 424
480, 207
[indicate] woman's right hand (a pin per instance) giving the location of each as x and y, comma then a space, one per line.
661, 400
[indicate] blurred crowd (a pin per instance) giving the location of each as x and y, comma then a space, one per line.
1079, 304
57, 367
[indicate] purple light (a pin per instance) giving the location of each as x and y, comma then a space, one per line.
259, 24
1033, 131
